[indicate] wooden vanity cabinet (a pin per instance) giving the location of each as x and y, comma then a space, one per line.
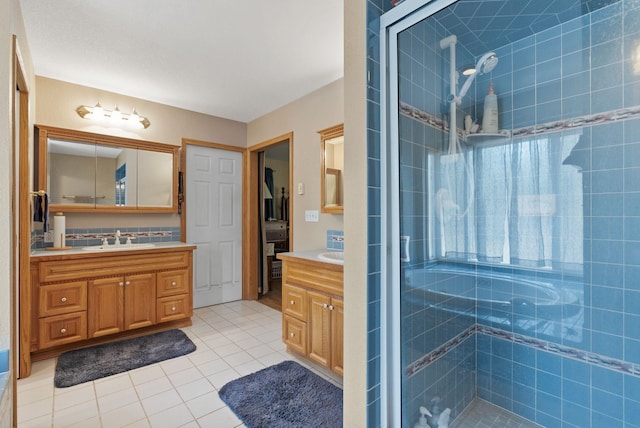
82, 299
313, 310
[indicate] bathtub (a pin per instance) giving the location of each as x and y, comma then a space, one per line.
491, 295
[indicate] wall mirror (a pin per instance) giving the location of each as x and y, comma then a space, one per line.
332, 169
98, 173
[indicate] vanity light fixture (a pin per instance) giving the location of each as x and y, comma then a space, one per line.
97, 112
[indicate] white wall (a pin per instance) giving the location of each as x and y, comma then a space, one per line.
355, 219
305, 117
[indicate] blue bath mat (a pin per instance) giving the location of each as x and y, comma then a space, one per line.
286, 395
87, 364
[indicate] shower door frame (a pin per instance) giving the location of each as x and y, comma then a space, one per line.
393, 22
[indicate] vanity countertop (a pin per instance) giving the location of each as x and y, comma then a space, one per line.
311, 256
42, 254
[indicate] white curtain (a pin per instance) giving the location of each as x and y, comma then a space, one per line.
523, 207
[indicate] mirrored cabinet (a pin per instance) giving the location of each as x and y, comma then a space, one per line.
83, 171
332, 169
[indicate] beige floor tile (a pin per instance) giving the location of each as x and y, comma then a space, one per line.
232, 340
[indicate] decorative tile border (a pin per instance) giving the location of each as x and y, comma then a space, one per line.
85, 237
562, 125
560, 350
440, 351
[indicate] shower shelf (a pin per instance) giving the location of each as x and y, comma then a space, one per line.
488, 138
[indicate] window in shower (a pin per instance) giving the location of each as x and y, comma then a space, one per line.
516, 204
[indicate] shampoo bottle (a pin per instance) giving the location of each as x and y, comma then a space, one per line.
490, 115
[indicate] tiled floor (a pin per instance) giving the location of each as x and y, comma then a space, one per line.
481, 414
232, 340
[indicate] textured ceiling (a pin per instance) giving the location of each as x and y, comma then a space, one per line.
233, 59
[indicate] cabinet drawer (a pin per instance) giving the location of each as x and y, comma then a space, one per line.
173, 282
294, 302
173, 308
57, 299
294, 334
62, 329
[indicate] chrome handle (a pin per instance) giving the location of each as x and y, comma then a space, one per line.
64, 299
63, 330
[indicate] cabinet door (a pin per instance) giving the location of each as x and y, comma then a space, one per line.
105, 306
337, 336
139, 300
319, 325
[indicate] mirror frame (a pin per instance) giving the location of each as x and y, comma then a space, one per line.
328, 134
43, 133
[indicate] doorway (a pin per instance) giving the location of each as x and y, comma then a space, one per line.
268, 223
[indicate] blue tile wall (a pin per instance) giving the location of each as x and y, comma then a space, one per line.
375, 8
335, 240
582, 67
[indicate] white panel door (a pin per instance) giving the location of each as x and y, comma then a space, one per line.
214, 223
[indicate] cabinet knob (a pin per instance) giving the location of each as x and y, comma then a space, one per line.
331, 307
127, 283
325, 306
63, 330
293, 302
173, 283
64, 299
293, 335
121, 283
173, 309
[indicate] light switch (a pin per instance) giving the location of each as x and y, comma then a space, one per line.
300, 188
311, 216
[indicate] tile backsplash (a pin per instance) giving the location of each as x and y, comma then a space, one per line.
87, 237
335, 240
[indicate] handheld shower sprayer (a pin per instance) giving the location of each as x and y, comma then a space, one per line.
486, 64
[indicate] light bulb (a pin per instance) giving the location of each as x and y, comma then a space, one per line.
134, 119
116, 116
98, 112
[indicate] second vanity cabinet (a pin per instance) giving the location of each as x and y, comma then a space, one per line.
313, 310
78, 299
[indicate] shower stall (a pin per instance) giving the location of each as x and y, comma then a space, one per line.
510, 260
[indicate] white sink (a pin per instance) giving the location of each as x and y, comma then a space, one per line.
120, 247
332, 256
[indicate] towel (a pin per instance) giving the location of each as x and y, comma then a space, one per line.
41, 211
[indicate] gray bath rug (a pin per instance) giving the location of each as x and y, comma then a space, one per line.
84, 365
286, 395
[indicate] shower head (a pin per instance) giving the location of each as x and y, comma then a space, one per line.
486, 64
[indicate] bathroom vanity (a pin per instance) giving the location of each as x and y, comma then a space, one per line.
312, 308
79, 298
